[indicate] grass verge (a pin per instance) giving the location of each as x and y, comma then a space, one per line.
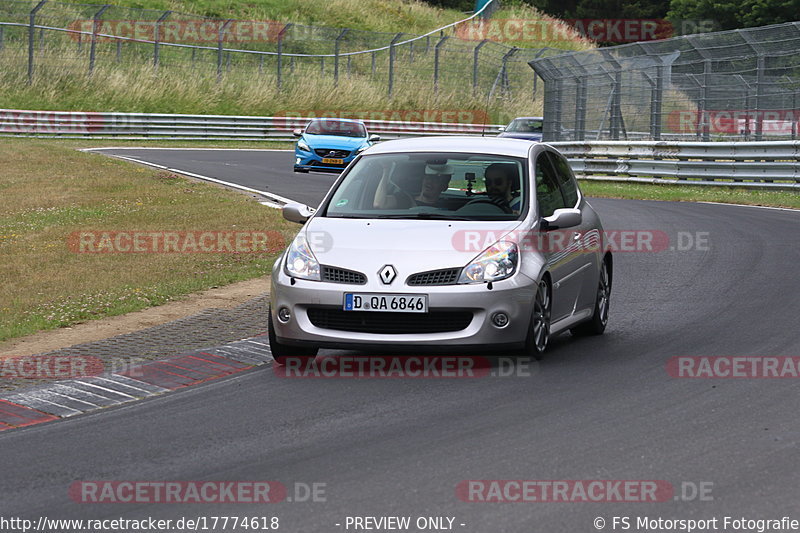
50, 191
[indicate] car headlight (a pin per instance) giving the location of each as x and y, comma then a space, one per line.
300, 260
301, 145
497, 262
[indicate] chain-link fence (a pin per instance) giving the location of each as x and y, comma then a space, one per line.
740, 84
49, 38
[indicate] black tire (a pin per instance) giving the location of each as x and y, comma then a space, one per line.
301, 170
599, 320
281, 352
539, 329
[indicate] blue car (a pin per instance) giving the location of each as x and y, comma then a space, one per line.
328, 145
528, 128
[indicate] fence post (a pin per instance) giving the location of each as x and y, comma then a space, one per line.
391, 62
373, 64
336, 46
280, 54
616, 102
580, 108
119, 50
655, 106
219, 48
2, 28
31, 36
704, 116
759, 97
157, 38
436, 64
92, 50
475, 54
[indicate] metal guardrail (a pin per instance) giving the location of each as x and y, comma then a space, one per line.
199, 127
766, 164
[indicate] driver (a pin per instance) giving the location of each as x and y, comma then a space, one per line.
499, 180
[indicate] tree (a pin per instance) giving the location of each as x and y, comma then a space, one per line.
729, 15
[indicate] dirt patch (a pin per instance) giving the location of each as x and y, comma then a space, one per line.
221, 298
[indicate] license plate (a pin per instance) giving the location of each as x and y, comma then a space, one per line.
332, 161
390, 303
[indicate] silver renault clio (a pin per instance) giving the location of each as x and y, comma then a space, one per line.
454, 243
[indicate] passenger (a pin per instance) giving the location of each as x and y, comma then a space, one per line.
434, 183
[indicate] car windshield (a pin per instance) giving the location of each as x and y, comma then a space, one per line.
525, 125
452, 186
336, 127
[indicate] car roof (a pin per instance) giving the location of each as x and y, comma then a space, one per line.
528, 118
456, 144
351, 120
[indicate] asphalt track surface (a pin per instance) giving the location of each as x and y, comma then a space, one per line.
598, 408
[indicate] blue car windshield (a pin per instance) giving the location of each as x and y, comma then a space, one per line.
525, 125
449, 186
336, 127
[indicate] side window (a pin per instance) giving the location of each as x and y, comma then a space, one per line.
548, 195
566, 180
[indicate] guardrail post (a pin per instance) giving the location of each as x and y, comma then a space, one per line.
373, 63
93, 48
31, 37
391, 62
2, 28
119, 50
281, 35
436, 63
220, 36
336, 46
794, 115
475, 55
322, 65
759, 97
157, 38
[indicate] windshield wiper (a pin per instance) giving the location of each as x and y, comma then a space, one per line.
427, 216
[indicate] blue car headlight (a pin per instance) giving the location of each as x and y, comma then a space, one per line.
303, 146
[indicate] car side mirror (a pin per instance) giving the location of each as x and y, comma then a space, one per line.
374, 138
501, 129
297, 133
299, 213
563, 218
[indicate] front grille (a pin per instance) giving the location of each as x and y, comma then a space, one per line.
341, 275
330, 152
447, 276
397, 323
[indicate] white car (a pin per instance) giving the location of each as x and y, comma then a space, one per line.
443, 243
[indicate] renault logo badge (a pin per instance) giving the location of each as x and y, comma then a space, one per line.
387, 274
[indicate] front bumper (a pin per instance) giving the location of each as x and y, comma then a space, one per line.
310, 161
513, 296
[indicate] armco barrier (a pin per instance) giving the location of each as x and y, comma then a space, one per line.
201, 127
766, 164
